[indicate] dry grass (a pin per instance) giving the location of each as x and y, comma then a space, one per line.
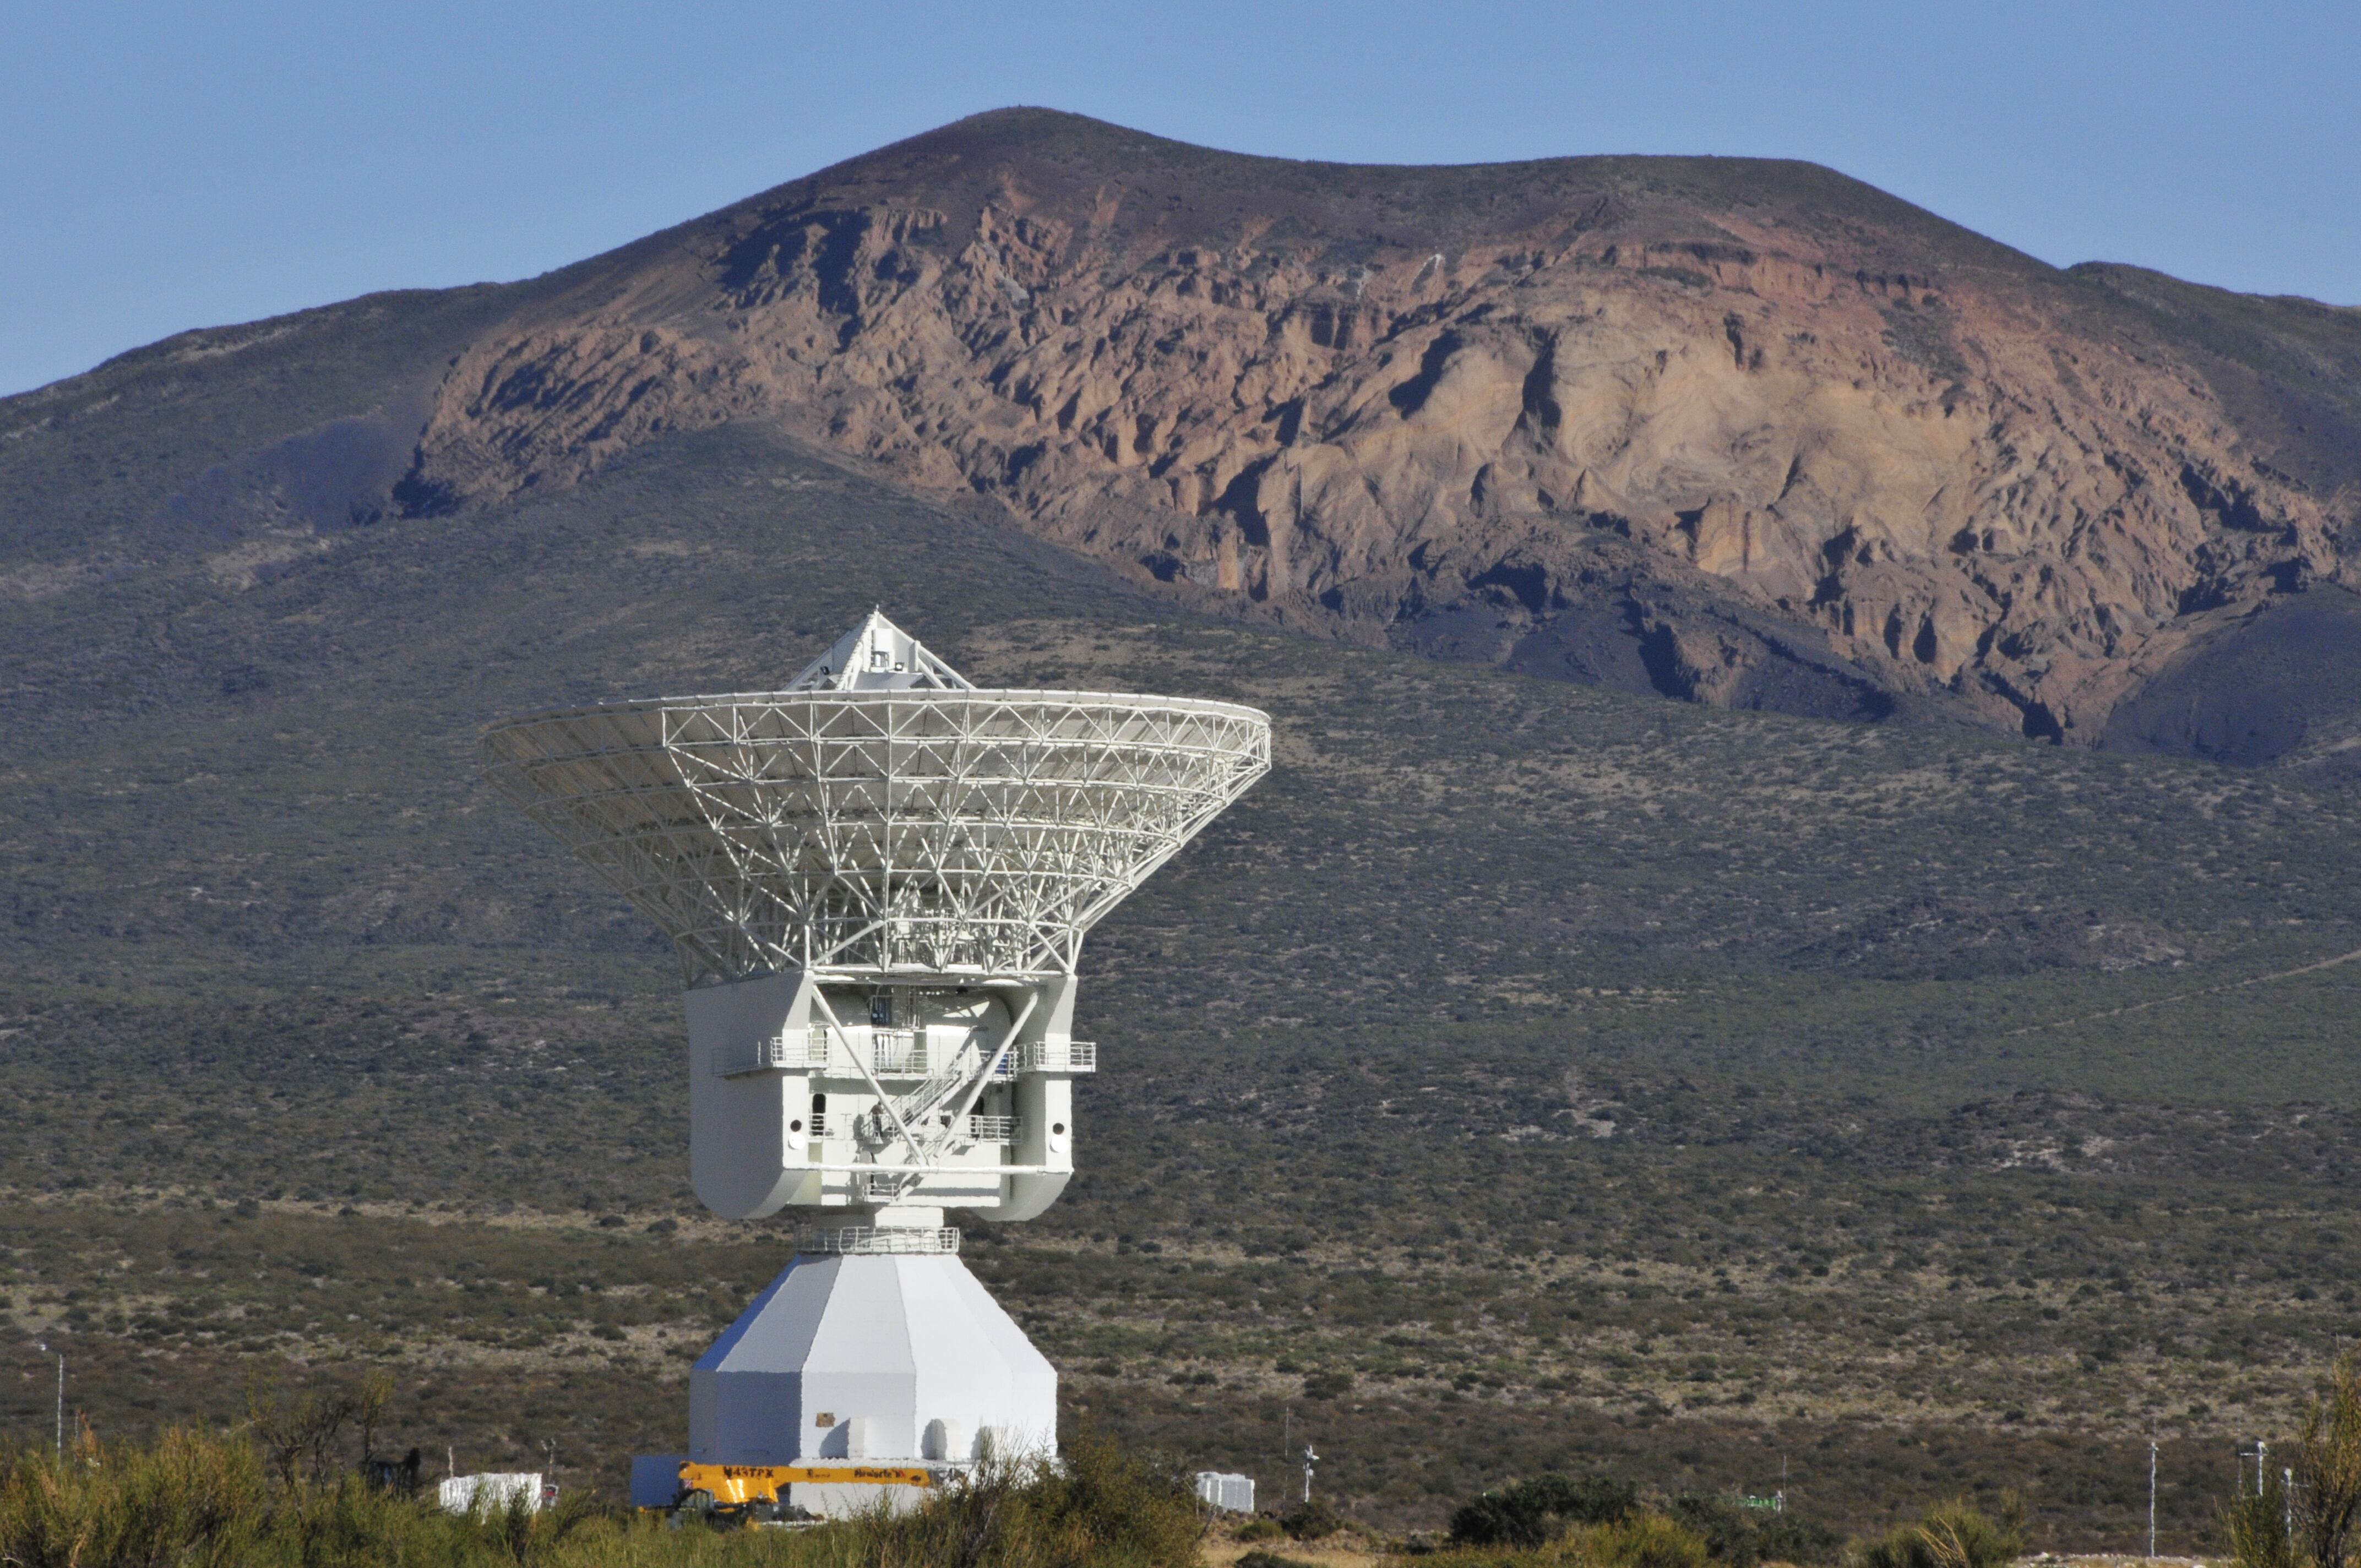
200, 1500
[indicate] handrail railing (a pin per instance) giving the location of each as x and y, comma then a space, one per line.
858, 1239
895, 1053
1058, 1056
782, 1053
974, 1129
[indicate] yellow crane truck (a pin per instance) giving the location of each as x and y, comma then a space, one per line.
757, 1494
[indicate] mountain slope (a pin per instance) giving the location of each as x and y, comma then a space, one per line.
1730, 1081
1894, 1096
280, 432
1751, 432
1742, 432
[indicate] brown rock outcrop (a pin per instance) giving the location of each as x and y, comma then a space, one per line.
1777, 414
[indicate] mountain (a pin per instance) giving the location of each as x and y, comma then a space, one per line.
1746, 432
1527, 1073
1740, 430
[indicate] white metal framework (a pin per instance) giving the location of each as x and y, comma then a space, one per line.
878, 881
934, 826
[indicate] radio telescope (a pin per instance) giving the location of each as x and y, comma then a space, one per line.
878, 881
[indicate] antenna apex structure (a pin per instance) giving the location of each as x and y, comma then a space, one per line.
878, 655
878, 879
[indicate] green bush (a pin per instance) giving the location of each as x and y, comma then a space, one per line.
1641, 1540
2314, 1526
1790, 1538
2256, 1523
1730, 1536
1311, 1520
1532, 1511
1950, 1535
1097, 1507
2328, 1469
196, 1500
187, 1499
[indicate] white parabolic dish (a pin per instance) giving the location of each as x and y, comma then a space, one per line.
939, 827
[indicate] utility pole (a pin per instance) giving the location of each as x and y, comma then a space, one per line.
1309, 1459
1286, 1432
45, 1350
2151, 1496
2287, 1500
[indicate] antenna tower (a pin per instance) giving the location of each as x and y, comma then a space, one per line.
878, 879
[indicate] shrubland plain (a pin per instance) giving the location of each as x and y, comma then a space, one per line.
1524, 1076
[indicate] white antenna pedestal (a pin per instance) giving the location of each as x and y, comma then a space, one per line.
871, 1358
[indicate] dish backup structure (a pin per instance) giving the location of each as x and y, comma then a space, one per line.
878, 881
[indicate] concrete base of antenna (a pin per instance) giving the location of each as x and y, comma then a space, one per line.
891, 1357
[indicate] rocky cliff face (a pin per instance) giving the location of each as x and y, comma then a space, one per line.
1753, 432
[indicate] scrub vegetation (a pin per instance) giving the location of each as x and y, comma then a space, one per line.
192, 1497
1523, 1079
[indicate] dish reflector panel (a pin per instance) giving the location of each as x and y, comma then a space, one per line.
879, 820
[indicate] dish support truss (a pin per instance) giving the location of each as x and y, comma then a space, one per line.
941, 832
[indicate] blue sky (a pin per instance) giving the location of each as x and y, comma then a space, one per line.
165, 166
